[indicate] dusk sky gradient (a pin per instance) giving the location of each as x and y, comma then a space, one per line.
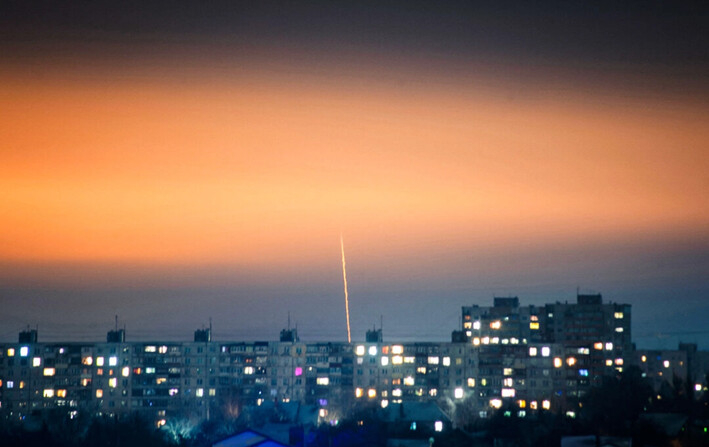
175, 162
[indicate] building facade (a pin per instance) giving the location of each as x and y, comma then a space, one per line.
519, 359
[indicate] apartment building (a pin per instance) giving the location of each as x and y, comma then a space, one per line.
520, 359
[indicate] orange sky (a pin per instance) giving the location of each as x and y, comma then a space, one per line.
262, 170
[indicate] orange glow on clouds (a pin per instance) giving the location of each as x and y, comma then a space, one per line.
263, 171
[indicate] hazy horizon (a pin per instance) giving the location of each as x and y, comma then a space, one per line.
174, 162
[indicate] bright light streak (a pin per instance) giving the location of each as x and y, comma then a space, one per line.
344, 279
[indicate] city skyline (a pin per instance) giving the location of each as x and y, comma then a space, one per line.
170, 163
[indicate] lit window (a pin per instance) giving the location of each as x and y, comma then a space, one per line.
48, 393
534, 325
522, 403
571, 361
372, 350
358, 392
609, 362
619, 361
486, 340
508, 381
508, 392
584, 351
496, 403
322, 381
99, 361
476, 341
397, 349
495, 324
396, 392
112, 382
619, 329
438, 425
125, 372
533, 405
10, 352
150, 370
113, 361
298, 371
212, 391
409, 359
385, 361
618, 315
514, 341
433, 360
24, 351
467, 325
409, 381
49, 371
698, 387
249, 370
162, 349
507, 371
10, 384
446, 361
88, 361
598, 346
360, 350
471, 382
61, 393
546, 351
483, 381
173, 392
99, 394
371, 393
643, 359
199, 392
532, 351
571, 414
558, 362
397, 360
433, 392
476, 325
150, 349
495, 340
160, 380
458, 393
583, 372
85, 382
546, 404
609, 346
36, 362
666, 363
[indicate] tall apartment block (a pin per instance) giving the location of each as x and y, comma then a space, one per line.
521, 359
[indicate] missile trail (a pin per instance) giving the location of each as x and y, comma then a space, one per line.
344, 278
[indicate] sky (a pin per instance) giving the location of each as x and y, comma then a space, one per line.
175, 162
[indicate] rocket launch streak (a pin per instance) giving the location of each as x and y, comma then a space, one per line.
344, 278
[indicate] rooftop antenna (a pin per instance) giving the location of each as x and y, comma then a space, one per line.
116, 322
289, 320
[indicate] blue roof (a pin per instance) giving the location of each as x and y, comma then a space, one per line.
248, 438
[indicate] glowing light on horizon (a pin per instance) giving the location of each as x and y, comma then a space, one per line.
344, 279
